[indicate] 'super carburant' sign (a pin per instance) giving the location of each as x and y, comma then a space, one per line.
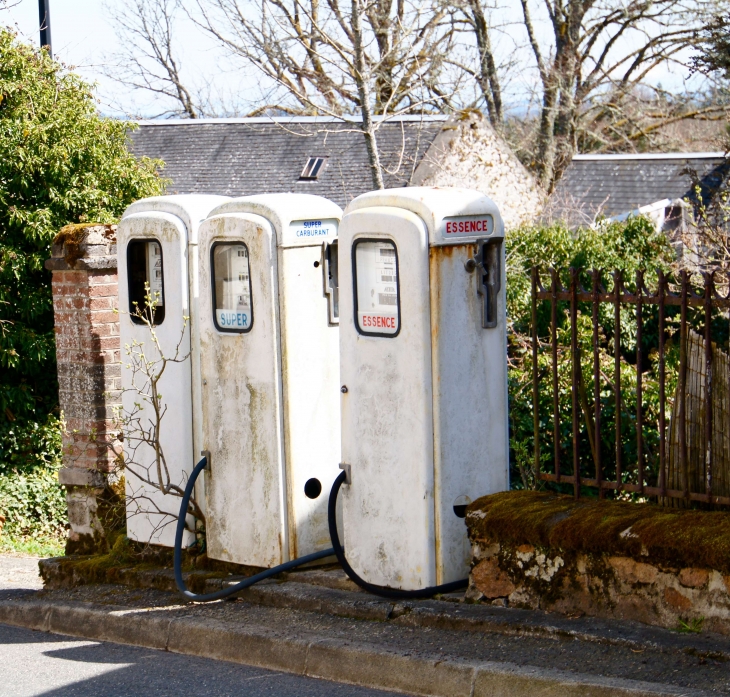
313, 228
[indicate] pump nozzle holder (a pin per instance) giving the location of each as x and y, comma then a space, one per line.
347, 469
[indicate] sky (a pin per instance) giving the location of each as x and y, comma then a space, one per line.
83, 37
79, 32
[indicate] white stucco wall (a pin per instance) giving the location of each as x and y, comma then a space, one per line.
468, 154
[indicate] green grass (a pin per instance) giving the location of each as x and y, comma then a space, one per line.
692, 626
28, 546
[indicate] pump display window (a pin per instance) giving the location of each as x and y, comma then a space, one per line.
145, 272
377, 294
231, 284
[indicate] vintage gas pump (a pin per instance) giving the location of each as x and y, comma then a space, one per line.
424, 379
157, 249
270, 375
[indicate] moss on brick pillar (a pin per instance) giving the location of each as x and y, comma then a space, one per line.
84, 266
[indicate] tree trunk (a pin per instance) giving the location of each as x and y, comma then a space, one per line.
488, 79
362, 76
545, 156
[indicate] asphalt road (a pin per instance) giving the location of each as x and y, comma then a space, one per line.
36, 663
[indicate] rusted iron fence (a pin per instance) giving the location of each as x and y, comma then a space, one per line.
631, 384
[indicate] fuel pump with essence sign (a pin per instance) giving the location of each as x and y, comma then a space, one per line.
423, 367
157, 242
270, 376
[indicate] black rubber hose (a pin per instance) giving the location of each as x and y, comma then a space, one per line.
386, 592
224, 592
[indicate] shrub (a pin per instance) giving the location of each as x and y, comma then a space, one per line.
31, 499
629, 246
60, 163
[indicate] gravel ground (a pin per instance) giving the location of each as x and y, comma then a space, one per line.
19, 572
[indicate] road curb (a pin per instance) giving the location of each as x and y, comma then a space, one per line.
308, 654
330, 593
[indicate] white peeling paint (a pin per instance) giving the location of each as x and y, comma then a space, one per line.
173, 221
424, 418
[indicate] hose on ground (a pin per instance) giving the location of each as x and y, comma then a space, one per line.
230, 590
384, 591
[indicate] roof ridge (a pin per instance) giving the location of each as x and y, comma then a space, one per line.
290, 119
654, 156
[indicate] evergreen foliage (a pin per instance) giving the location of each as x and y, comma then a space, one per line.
715, 48
60, 163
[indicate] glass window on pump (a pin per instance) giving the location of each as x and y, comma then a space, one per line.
145, 273
377, 297
231, 281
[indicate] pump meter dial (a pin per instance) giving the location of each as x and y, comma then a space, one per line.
377, 295
231, 284
145, 275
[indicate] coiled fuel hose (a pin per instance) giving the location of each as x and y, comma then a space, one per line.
337, 550
230, 590
384, 591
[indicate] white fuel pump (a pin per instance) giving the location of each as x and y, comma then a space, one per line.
424, 379
157, 245
270, 375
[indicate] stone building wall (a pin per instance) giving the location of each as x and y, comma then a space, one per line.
469, 154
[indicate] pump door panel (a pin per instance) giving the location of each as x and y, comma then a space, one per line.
241, 393
155, 263
387, 422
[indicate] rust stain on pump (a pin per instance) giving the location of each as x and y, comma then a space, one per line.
446, 250
437, 259
434, 268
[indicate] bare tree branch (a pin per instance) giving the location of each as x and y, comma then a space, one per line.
366, 62
147, 57
134, 438
596, 53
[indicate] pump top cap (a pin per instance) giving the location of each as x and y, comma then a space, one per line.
300, 220
192, 209
452, 216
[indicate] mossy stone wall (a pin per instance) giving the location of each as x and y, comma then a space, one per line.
602, 558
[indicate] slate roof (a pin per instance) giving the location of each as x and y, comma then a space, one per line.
234, 157
616, 184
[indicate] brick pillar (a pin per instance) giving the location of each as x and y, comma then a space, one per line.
84, 266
